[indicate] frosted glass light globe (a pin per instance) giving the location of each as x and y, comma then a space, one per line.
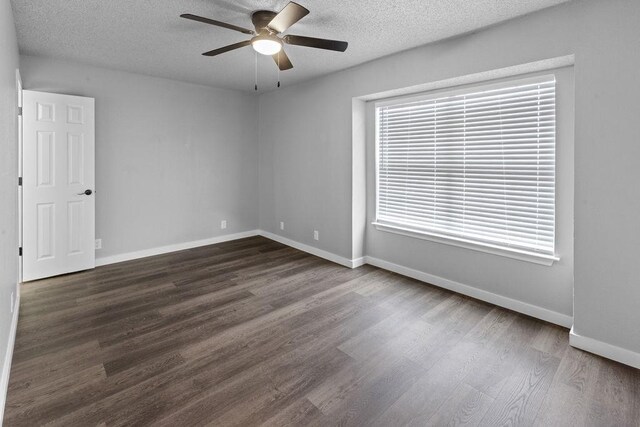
266, 45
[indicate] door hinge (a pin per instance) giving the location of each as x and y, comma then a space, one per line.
19, 111
19, 181
20, 251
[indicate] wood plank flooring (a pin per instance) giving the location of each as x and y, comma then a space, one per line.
252, 332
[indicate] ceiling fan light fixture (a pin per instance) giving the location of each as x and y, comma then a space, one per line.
266, 45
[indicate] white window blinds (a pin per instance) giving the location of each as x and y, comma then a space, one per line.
476, 165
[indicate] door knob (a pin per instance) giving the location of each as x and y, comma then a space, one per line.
86, 193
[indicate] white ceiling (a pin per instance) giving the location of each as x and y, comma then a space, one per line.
148, 37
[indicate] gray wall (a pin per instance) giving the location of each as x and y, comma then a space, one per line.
172, 158
8, 172
607, 225
306, 155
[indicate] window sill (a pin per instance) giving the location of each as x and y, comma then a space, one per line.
521, 255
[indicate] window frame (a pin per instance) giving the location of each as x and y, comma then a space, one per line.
430, 235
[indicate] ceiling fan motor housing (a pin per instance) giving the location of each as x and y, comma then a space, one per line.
261, 19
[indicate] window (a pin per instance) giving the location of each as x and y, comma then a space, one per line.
473, 167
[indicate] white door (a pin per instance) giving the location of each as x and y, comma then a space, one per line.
58, 184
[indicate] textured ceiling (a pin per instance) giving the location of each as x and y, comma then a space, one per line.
148, 37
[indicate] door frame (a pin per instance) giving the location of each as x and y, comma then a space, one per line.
19, 177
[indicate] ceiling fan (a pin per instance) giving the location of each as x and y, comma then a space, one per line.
268, 25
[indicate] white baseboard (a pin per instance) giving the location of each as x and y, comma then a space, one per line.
172, 248
591, 345
603, 349
512, 304
312, 250
499, 300
6, 367
358, 262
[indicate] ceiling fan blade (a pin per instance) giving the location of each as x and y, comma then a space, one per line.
217, 23
288, 16
227, 48
317, 43
282, 60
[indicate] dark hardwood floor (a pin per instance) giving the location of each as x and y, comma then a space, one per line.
253, 332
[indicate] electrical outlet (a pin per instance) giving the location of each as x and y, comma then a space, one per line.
98, 244
281, 225
223, 224
12, 302
316, 235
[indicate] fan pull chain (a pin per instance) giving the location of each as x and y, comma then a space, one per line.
278, 69
256, 74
